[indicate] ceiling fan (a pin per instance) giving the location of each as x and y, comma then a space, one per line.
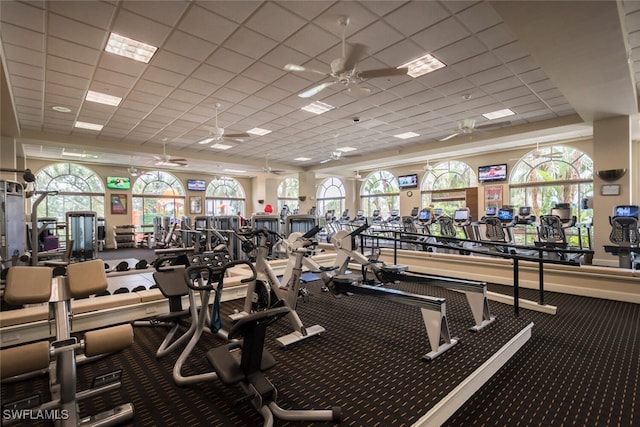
133, 171
167, 160
468, 126
542, 153
217, 134
343, 70
335, 154
269, 169
428, 167
356, 177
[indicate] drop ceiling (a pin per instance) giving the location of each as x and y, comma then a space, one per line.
549, 62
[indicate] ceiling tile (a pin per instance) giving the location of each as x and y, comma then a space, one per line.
262, 21
442, 34
114, 78
120, 64
72, 51
66, 80
165, 12
213, 75
176, 63
190, 46
94, 13
25, 70
74, 68
311, 40
23, 15
233, 10
479, 17
22, 37
249, 43
206, 25
76, 32
415, 16
140, 28
229, 60
153, 87
164, 77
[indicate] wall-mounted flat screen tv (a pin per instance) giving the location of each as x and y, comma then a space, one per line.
196, 185
408, 181
492, 173
118, 182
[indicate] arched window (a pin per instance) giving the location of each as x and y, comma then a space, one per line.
550, 175
288, 194
225, 196
331, 195
156, 193
380, 191
78, 187
442, 183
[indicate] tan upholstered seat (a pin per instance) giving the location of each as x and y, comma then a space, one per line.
86, 278
28, 285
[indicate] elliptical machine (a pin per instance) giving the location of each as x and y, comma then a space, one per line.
267, 291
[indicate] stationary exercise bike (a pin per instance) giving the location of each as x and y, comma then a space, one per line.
267, 290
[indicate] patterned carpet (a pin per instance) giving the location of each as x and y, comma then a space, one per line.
581, 367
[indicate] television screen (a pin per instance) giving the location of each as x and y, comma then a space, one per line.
408, 181
424, 215
118, 182
360, 213
524, 211
627, 210
492, 173
490, 212
461, 215
505, 215
196, 185
437, 211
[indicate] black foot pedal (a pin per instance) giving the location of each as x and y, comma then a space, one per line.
31, 401
108, 378
282, 381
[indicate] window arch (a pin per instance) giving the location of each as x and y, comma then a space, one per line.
156, 193
380, 191
550, 175
288, 194
441, 181
331, 194
79, 189
225, 196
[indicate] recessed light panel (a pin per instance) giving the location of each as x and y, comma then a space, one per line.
423, 65
318, 107
406, 135
219, 146
103, 98
498, 114
205, 141
346, 149
302, 159
258, 131
90, 126
130, 48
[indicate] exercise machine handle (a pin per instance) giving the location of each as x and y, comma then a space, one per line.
309, 234
359, 230
214, 274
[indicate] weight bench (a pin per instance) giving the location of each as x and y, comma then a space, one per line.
433, 309
34, 285
247, 368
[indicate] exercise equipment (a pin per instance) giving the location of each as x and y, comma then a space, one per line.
31, 285
475, 291
299, 223
82, 229
267, 290
247, 370
625, 235
12, 236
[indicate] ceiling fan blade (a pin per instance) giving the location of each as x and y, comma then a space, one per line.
355, 54
382, 72
493, 125
294, 67
314, 90
237, 135
451, 136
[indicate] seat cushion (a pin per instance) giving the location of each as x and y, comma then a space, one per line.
226, 362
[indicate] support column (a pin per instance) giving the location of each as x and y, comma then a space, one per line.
9, 158
306, 191
611, 150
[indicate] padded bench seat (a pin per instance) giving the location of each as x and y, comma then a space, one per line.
19, 316
104, 302
150, 295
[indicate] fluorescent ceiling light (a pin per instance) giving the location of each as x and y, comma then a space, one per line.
61, 109
258, 131
232, 171
302, 159
318, 107
103, 98
171, 164
498, 114
346, 149
423, 65
205, 141
219, 146
82, 155
406, 135
90, 126
130, 48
